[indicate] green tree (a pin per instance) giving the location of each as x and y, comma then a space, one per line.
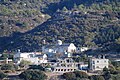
32, 75
64, 9
24, 63
81, 74
69, 76
118, 41
97, 77
81, 7
2, 75
75, 6
115, 77
36, 67
7, 67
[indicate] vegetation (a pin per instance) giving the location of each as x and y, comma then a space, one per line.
24, 63
32, 75
97, 77
75, 75
2, 75
90, 23
36, 67
7, 67
78, 75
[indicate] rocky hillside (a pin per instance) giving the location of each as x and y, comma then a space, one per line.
93, 24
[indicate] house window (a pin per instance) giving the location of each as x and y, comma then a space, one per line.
97, 61
105, 61
68, 61
67, 65
93, 62
97, 67
64, 69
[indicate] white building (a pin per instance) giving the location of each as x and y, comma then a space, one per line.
32, 57
59, 48
98, 63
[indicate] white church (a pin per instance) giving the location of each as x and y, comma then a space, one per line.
59, 48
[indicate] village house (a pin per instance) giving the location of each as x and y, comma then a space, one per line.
32, 57
98, 63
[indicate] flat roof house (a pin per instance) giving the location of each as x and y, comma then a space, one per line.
98, 63
32, 57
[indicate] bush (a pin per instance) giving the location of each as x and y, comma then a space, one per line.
24, 63
69, 76
97, 77
115, 77
2, 75
77, 75
7, 67
36, 67
32, 75
81, 74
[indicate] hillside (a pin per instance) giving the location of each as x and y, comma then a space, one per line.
93, 24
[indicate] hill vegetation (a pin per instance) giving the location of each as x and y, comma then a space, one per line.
92, 23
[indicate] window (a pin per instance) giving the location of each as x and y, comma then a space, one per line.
68, 60
64, 69
93, 62
97, 67
67, 65
105, 61
97, 61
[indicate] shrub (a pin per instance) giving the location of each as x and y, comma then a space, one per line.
7, 67
36, 67
115, 77
69, 76
2, 75
97, 77
81, 74
32, 75
24, 63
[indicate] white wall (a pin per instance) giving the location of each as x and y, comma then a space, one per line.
99, 64
71, 48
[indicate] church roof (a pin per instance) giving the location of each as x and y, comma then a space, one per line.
57, 46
